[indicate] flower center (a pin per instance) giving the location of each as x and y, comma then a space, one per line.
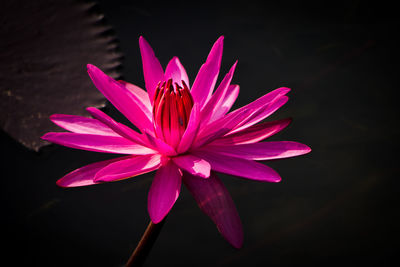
171, 111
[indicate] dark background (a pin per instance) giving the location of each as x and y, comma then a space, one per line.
337, 205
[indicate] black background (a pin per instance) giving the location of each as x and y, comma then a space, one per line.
336, 205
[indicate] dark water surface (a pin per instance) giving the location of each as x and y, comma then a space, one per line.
337, 205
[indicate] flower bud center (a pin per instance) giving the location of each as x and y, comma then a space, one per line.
171, 111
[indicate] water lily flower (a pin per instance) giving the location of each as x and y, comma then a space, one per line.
185, 131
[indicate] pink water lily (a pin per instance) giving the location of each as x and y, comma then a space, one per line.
186, 132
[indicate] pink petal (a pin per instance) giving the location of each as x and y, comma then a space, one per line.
265, 99
239, 167
220, 127
240, 118
128, 167
215, 201
216, 100
260, 108
193, 165
191, 130
261, 151
119, 128
98, 143
85, 175
261, 113
158, 144
152, 69
254, 133
176, 72
121, 98
139, 93
164, 191
79, 124
226, 103
207, 76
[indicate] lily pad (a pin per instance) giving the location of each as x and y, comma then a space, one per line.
44, 50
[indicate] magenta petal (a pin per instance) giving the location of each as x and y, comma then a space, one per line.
128, 167
164, 191
121, 98
220, 127
79, 124
98, 143
85, 175
265, 99
119, 128
261, 108
176, 72
191, 131
216, 100
193, 165
152, 69
215, 201
261, 113
262, 151
240, 167
139, 93
207, 76
226, 103
254, 133
160, 145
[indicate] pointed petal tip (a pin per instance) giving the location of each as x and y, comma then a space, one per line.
143, 42
60, 183
54, 117
46, 136
307, 149
234, 64
276, 180
284, 90
91, 67
237, 244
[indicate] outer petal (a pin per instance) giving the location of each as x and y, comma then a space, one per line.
226, 103
84, 175
119, 128
238, 120
261, 151
206, 78
164, 191
152, 70
128, 167
219, 128
265, 99
127, 103
176, 72
139, 93
79, 124
216, 99
98, 143
239, 167
214, 200
243, 117
261, 113
193, 165
254, 133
